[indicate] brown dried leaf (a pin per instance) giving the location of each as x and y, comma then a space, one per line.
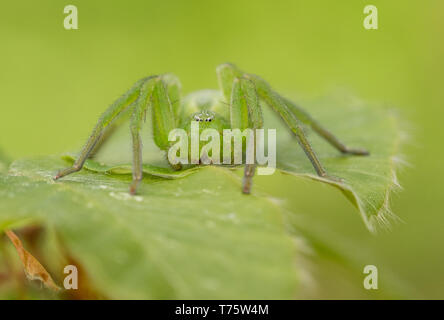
32, 267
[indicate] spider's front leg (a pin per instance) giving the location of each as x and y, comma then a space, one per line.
137, 118
155, 95
245, 112
151, 92
118, 108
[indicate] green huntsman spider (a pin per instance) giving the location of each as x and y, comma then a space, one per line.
241, 91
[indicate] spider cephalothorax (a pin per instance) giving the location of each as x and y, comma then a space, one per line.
236, 106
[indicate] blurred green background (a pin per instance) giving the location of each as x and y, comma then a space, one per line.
54, 84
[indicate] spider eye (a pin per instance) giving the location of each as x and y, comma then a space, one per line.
202, 116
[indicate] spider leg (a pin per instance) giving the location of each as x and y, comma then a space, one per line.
162, 112
264, 91
137, 118
174, 88
137, 159
107, 118
245, 111
319, 129
279, 105
256, 122
155, 96
226, 73
244, 96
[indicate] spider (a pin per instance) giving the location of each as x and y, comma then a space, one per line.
237, 105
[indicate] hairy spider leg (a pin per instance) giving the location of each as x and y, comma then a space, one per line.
137, 118
227, 72
323, 132
147, 92
174, 92
155, 97
243, 100
244, 94
245, 110
174, 89
277, 104
112, 113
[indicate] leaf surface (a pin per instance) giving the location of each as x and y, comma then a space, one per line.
210, 242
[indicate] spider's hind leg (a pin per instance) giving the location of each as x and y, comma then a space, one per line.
323, 132
277, 103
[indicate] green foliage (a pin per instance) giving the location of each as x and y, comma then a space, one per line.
198, 236
209, 242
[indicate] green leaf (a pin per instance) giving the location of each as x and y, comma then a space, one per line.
166, 173
197, 237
